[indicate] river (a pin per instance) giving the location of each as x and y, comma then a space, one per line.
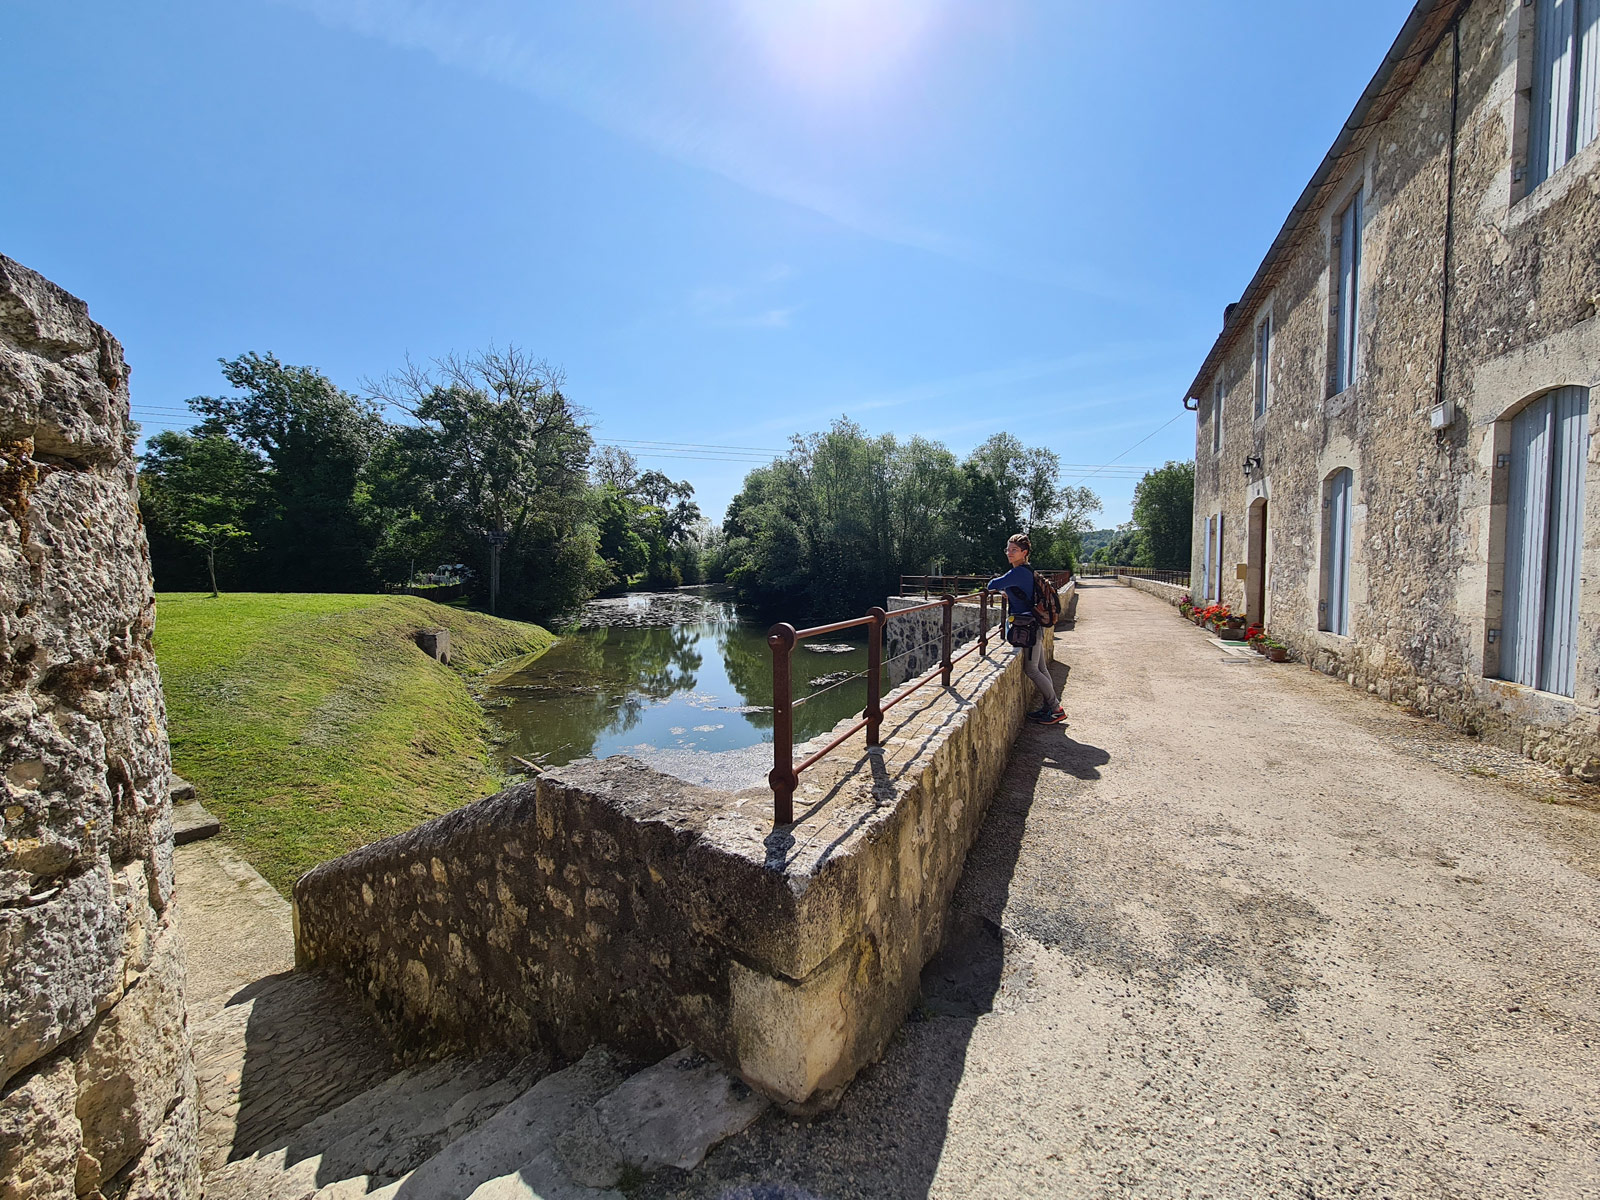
682, 680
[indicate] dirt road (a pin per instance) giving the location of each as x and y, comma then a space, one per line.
1237, 931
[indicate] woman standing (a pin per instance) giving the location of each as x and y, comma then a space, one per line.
1027, 635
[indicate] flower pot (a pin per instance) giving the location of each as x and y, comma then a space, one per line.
1233, 633
1277, 654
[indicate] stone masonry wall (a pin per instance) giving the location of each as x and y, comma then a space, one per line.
1429, 506
1170, 592
607, 902
97, 1092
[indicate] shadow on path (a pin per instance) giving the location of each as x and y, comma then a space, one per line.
887, 1135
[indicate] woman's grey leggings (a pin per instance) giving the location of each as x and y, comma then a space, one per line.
1038, 669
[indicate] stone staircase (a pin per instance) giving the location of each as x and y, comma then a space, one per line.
301, 1096
498, 1129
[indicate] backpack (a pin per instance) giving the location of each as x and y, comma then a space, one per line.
1046, 600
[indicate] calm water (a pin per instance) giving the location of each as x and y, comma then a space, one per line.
668, 672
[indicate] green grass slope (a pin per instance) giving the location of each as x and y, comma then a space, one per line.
312, 724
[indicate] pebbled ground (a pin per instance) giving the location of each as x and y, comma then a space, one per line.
1236, 931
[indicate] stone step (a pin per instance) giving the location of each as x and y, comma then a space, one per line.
516, 1147
382, 1134
191, 823
181, 789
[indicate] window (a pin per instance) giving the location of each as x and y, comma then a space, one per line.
1335, 606
1566, 70
1263, 359
1544, 541
1214, 552
1347, 316
1216, 417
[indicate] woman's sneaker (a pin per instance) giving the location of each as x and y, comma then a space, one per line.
1054, 717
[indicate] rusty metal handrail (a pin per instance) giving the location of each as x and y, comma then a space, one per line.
911, 584
782, 639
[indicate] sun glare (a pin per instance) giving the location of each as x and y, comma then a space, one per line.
836, 48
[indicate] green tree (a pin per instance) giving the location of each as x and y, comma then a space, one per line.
1163, 511
212, 539
317, 532
206, 479
498, 449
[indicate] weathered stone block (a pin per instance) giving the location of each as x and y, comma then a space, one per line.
91, 1009
39, 1135
135, 1068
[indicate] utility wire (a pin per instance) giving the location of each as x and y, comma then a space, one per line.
1128, 451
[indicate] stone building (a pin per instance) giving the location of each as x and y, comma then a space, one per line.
1394, 426
97, 1086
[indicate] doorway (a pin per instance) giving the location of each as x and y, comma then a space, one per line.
1255, 574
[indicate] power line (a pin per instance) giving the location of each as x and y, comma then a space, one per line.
1129, 450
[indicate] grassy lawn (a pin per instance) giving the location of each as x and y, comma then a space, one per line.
312, 724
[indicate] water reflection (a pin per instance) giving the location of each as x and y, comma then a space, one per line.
676, 672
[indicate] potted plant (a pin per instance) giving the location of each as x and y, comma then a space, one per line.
1276, 651
1257, 638
1185, 605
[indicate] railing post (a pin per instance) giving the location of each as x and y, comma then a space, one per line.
874, 714
782, 777
983, 623
945, 665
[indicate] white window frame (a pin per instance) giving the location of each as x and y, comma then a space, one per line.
1263, 381
1347, 293
1565, 112
1338, 503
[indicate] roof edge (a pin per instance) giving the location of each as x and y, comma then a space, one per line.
1418, 38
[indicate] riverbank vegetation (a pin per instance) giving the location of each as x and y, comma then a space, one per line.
312, 724
834, 525
294, 484
1161, 533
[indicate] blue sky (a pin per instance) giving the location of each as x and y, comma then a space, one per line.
727, 220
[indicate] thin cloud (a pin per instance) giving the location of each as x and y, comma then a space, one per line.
468, 37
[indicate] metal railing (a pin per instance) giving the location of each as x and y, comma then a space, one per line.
1105, 570
938, 585
783, 637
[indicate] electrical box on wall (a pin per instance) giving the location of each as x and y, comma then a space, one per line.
1443, 415
1242, 571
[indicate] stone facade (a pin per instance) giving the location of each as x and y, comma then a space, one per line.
610, 903
97, 1090
1477, 296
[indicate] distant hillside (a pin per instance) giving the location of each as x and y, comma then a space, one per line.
312, 724
1096, 538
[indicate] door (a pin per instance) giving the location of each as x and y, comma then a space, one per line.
1544, 541
1255, 575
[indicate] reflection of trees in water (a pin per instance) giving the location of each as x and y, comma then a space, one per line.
600, 682
748, 661
654, 662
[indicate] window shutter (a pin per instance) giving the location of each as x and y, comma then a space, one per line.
1569, 422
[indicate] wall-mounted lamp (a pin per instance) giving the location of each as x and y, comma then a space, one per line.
1252, 464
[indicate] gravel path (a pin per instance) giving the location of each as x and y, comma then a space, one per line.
1238, 931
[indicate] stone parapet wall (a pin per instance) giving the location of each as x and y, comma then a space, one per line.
607, 902
912, 644
96, 1077
1170, 592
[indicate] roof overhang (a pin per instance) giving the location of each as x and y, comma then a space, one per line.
1429, 21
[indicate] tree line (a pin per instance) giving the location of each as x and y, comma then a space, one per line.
294, 484
291, 483
1162, 529
832, 526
